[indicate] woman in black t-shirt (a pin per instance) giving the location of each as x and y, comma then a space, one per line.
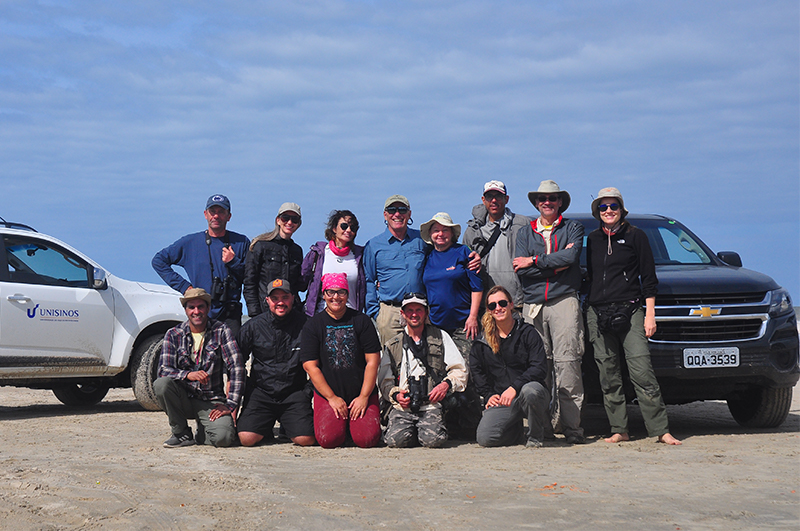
340, 352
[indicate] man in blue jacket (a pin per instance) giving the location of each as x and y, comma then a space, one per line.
548, 264
213, 259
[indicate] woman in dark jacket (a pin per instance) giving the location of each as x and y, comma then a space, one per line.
338, 254
508, 367
274, 255
622, 274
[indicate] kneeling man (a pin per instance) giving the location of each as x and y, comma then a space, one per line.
277, 382
195, 356
419, 368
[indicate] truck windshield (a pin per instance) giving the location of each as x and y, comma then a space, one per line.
672, 245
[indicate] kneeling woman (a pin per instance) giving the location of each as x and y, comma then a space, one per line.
340, 351
508, 367
622, 272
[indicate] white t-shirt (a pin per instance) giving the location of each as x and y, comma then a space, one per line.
341, 264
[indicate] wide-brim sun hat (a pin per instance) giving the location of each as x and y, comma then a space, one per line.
551, 187
606, 193
195, 293
442, 218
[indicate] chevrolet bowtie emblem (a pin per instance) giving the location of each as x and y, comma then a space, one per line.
705, 311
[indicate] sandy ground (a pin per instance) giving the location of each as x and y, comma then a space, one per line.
105, 468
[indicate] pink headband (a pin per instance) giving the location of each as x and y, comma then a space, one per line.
334, 281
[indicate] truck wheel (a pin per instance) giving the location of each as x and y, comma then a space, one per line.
81, 395
761, 407
144, 371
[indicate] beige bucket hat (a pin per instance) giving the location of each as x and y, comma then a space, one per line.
442, 218
550, 187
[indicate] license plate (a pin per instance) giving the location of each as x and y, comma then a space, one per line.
703, 358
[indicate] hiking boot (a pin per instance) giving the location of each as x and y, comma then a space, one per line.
576, 439
534, 443
176, 441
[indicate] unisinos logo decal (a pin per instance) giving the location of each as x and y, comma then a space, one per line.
53, 314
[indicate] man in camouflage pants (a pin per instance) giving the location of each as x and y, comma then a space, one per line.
419, 368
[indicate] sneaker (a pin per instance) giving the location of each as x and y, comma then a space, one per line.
533, 443
576, 439
176, 441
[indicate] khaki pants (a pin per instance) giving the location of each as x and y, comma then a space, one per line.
389, 322
560, 323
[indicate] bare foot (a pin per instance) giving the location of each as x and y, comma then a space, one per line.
669, 439
618, 438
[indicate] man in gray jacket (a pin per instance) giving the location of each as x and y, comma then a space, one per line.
548, 264
492, 233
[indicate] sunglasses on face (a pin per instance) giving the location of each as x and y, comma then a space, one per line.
345, 226
613, 206
336, 292
491, 196
286, 218
546, 198
394, 210
493, 305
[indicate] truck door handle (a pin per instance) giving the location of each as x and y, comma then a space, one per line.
19, 298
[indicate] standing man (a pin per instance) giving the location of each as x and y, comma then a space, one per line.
419, 368
213, 259
492, 233
548, 264
277, 382
195, 356
393, 267
393, 264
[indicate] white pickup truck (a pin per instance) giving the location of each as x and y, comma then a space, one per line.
68, 325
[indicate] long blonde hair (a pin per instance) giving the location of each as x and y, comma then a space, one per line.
490, 332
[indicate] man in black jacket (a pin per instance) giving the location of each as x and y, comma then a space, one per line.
277, 381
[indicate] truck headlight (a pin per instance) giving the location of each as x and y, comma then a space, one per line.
780, 302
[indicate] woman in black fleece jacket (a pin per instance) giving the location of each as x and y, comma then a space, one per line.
622, 274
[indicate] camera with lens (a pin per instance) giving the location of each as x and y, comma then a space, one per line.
417, 391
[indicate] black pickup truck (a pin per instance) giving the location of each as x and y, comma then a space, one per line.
723, 332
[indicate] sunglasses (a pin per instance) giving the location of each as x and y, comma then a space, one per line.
613, 206
491, 196
286, 218
336, 292
344, 226
394, 210
546, 198
493, 305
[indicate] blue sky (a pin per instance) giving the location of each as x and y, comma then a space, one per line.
118, 120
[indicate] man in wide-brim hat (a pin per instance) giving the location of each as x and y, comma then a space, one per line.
548, 264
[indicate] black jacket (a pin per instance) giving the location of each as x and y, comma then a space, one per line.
628, 273
521, 360
266, 261
275, 345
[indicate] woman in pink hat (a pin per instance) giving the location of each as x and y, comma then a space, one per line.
340, 351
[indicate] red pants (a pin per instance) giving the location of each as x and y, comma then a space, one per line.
331, 432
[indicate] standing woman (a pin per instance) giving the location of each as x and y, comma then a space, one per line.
338, 254
622, 273
340, 351
454, 291
274, 255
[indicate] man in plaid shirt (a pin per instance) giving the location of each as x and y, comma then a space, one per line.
195, 356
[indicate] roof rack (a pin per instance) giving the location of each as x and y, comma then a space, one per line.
14, 225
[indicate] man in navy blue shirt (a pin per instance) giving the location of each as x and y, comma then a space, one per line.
213, 260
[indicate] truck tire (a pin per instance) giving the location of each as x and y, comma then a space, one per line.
761, 407
144, 371
82, 395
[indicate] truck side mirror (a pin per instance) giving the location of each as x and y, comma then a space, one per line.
730, 258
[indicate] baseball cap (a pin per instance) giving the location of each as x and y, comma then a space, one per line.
218, 200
